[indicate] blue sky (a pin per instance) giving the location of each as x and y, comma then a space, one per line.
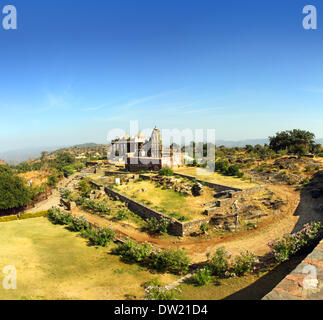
76, 69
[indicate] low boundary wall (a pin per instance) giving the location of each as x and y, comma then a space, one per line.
217, 187
176, 227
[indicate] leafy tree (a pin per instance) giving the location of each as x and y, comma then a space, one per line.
64, 159
14, 192
295, 141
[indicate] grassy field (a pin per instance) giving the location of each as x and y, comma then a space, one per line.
168, 201
54, 263
216, 178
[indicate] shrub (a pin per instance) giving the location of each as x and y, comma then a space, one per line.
159, 293
221, 166
171, 260
78, 224
66, 194
158, 226
58, 217
233, 170
166, 172
219, 263
283, 249
202, 276
205, 227
122, 215
99, 236
102, 207
85, 187
132, 251
245, 263
305, 181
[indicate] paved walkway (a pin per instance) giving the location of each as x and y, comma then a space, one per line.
303, 283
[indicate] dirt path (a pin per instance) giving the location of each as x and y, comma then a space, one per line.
52, 201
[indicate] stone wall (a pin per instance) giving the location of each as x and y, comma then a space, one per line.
115, 173
218, 214
146, 213
217, 187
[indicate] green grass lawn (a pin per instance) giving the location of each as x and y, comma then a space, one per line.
54, 263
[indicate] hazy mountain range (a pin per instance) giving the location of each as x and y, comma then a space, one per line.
21, 155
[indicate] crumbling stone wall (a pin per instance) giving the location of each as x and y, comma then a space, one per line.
217, 187
146, 213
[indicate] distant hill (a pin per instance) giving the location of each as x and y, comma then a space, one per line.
86, 145
242, 143
21, 155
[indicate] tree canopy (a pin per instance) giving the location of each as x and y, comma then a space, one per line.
294, 141
13, 190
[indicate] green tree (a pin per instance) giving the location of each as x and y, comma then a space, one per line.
64, 159
295, 141
14, 192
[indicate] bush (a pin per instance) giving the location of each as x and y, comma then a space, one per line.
283, 249
232, 170
219, 263
202, 276
166, 172
159, 293
85, 187
78, 224
99, 236
132, 251
66, 194
245, 263
53, 179
96, 206
158, 226
122, 215
205, 227
171, 260
58, 217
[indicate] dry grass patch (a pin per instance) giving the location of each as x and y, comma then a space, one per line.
167, 201
216, 178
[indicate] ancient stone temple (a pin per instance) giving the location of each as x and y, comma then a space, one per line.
139, 154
